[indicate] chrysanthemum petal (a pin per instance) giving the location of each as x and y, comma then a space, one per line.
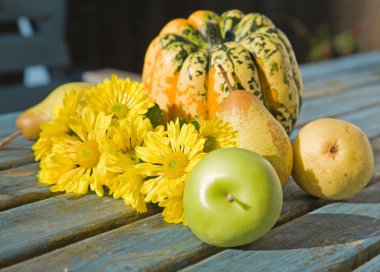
173, 210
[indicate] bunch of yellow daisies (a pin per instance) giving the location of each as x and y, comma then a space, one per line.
108, 137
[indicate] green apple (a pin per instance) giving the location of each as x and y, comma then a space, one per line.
232, 197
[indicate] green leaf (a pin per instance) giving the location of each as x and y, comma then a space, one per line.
155, 115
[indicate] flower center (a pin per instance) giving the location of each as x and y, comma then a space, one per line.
118, 109
210, 144
88, 154
174, 165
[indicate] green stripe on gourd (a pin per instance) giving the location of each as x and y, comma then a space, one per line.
250, 23
191, 86
210, 17
176, 53
228, 21
292, 58
278, 87
169, 39
239, 66
191, 34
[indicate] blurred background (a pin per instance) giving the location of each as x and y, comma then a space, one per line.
44, 43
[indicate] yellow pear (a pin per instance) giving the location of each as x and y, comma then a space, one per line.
30, 120
259, 131
333, 159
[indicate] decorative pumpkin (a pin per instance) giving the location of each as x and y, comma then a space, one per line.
180, 67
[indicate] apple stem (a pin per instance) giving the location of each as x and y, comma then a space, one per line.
230, 198
9, 138
224, 74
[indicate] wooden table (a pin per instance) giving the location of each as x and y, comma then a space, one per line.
42, 231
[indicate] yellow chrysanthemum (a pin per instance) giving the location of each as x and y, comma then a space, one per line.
58, 126
72, 165
218, 134
169, 157
121, 176
119, 97
123, 180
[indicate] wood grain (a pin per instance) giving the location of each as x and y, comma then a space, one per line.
336, 237
318, 71
339, 104
372, 265
19, 186
366, 119
153, 245
18, 143
15, 157
146, 245
341, 83
7, 123
42, 226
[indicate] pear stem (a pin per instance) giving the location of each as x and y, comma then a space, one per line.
9, 138
224, 74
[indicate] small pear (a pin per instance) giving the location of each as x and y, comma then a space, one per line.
258, 130
30, 120
333, 159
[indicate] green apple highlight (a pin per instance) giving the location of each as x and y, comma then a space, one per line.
232, 197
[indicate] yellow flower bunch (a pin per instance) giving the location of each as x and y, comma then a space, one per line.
108, 138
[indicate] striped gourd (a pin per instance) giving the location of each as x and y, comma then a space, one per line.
180, 67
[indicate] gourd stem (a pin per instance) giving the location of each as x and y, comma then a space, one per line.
9, 138
224, 74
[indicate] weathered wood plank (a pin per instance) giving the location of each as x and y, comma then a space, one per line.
340, 103
370, 195
146, 245
296, 202
367, 119
18, 143
7, 123
154, 245
372, 265
20, 186
357, 62
42, 226
336, 237
15, 157
340, 83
